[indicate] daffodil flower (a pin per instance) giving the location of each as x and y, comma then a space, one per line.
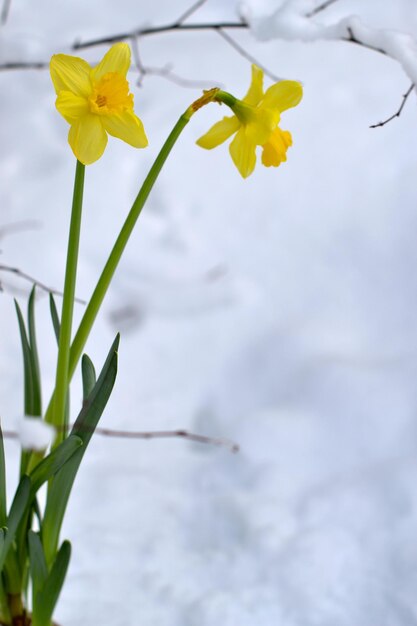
255, 123
96, 102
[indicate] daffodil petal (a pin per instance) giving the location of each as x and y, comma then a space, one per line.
219, 133
275, 150
255, 91
70, 73
71, 106
117, 59
243, 152
126, 126
87, 138
283, 95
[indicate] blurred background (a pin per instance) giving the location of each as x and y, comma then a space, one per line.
277, 311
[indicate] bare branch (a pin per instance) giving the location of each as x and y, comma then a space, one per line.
24, 65
190, 11
164, 72
245, 54
320, 7
352, 39
397, 113
157, 434
155, 30
34, 281
165, 434
5, 11
17, 227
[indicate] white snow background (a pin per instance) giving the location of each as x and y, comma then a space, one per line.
279, 311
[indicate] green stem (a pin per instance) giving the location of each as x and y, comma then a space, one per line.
104, 281
57, 416
97, 298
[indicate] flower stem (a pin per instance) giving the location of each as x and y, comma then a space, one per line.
104, 281
120, 244
58, 415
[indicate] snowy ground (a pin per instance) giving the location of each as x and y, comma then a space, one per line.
279, 311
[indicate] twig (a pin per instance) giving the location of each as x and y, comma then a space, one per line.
245, 54
397, 113
190, 11
165, 72
155, 30
157, 434
352, 39
165, 434
320, 7
34, 281
16, 227
5, 11
24, 65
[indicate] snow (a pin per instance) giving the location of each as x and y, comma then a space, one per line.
33, 433
278, 312
292, 21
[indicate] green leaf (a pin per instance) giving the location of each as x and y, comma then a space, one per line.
43, 472
53, 462
27, 364
84, 427
32, 385
3, 501
57, 327
35, 371
88, 375
5, 616
46, 599
54, 315
17, 510
38, 567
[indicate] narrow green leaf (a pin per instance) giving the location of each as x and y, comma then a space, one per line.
38, 568
54, 315
35, 371
17, 510
27, 364
53, 462
5, 616
57, 327
47, 598
88, 375
84, 426
3, 501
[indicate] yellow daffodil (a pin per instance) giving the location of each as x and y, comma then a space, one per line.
96, 102
255, 122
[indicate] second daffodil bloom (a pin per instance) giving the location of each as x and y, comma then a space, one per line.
96, 102
255, 123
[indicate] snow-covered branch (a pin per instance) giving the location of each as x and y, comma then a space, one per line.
296, 20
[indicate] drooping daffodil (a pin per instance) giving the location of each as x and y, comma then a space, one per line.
96, 101
255, 123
